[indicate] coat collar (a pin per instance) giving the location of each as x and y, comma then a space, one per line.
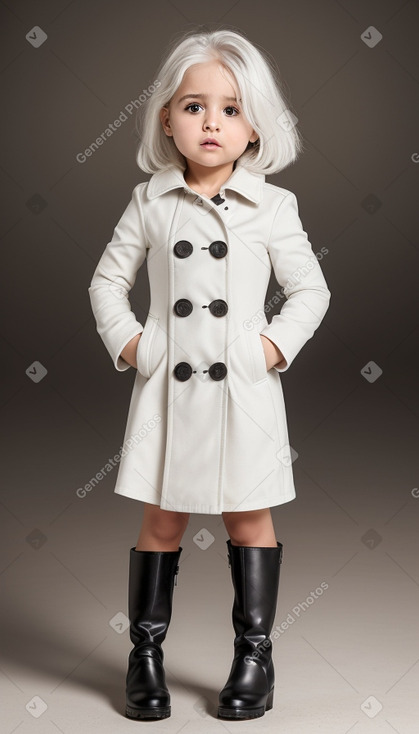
245, 182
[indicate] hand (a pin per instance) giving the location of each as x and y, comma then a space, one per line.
129, 352
273, 356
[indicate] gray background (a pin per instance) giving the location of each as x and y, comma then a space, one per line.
353, 526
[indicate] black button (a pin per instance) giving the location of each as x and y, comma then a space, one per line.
183, 307
218, 248
182, 371
217, 371
183, 248
218, 307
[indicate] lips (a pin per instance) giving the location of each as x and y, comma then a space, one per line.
211, 141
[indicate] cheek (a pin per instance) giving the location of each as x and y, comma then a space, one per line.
245, 126
247, 130
239, 130
183, 127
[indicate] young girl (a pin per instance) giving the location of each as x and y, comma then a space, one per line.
207, 429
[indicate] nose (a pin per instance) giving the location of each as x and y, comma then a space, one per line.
212, 120
211, 126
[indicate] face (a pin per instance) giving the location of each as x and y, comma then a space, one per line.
201, 108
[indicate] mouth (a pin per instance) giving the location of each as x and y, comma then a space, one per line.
210, 144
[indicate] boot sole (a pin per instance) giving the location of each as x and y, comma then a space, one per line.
162, 712
225, 712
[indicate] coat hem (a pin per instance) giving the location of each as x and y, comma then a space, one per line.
204, 509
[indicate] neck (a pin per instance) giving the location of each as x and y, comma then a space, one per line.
205, 180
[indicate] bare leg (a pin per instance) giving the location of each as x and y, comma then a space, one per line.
251, 528
161, 530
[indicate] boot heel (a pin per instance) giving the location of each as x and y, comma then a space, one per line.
159, 712
270, 700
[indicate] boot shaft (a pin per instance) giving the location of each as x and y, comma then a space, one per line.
255, 574
152, 577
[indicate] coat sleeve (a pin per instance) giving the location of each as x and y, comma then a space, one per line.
114, 277
298, 271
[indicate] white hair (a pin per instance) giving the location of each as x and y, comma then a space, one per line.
263, 102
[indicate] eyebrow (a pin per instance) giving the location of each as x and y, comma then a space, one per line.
204, 96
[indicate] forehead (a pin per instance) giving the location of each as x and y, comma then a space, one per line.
213, 74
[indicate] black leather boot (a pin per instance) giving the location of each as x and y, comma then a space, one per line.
152, 576
249, 690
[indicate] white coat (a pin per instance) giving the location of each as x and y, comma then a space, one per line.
206, 429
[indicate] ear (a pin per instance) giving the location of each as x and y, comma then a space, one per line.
164, 119
253, 138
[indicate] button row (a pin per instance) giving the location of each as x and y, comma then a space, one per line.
183, 307
217, 249
183, 371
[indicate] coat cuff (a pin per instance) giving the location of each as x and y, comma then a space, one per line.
118, 361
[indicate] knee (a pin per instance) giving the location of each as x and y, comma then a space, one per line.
246, 528
241, 536
237, 529
169, 528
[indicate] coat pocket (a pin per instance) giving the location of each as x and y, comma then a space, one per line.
145, 346
256, 356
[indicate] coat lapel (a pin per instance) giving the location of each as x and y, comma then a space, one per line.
244, 182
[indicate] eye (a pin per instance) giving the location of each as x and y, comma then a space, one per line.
193, 104
234, 109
